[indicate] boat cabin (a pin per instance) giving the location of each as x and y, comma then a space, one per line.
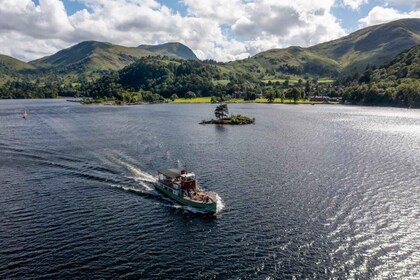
177, 178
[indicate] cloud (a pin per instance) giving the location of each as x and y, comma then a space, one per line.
415, 4
355, 4
263, 24
384, 14
222, 11
218, 29
48, 20
27, 48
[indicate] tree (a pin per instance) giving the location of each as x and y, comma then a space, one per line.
300, 82
286, 83
271, 95
295, 94
281, 95
221, 111
174, 96
215, 99
190, 95
307, 88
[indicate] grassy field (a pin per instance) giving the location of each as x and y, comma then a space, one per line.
294, 81
192, 100
258, 100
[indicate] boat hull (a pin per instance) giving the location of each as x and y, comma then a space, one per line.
207, 207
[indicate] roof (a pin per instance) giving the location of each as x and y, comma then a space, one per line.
171, 173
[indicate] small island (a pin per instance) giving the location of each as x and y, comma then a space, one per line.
222, 114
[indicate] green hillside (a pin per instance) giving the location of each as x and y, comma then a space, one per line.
373, 45
161, 69
11, 67
291, 61
405, 66
8, 63
171, 50
91, 56
396, 83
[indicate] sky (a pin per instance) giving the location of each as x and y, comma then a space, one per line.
222, 30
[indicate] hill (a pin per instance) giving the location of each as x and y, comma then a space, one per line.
171, 50
374, 45
10, 65
405, 66
291, 61
396, 83
91, 56
156, 75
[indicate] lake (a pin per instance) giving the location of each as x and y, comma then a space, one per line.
307, 192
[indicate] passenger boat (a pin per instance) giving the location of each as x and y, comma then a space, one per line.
181, 186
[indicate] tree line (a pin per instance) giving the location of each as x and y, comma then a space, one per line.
154, 79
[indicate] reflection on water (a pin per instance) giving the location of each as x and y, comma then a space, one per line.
308, 192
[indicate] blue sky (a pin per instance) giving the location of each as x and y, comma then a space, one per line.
217, 29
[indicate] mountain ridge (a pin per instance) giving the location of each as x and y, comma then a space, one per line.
99, 56
372, 45
13, 63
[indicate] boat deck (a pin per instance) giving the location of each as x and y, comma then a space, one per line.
198, 196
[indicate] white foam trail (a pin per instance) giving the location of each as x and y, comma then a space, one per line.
141, 175
219, 204
125, 188
143, 184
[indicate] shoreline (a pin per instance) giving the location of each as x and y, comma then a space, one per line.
67, 99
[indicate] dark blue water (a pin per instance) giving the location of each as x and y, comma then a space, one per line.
308, 192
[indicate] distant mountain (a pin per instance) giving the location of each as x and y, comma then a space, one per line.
11, 65
293, 61
373, 45
91, 56
96, 56
171, 50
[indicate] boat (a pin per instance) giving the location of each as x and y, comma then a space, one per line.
181, 186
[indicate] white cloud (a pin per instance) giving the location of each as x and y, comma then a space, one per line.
224, 12
384, 14
355, 4
412, 3
48, 20
28, 48
218, 29
259, 25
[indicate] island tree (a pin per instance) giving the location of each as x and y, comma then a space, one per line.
221, 111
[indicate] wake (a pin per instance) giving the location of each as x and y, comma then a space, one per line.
147, 180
